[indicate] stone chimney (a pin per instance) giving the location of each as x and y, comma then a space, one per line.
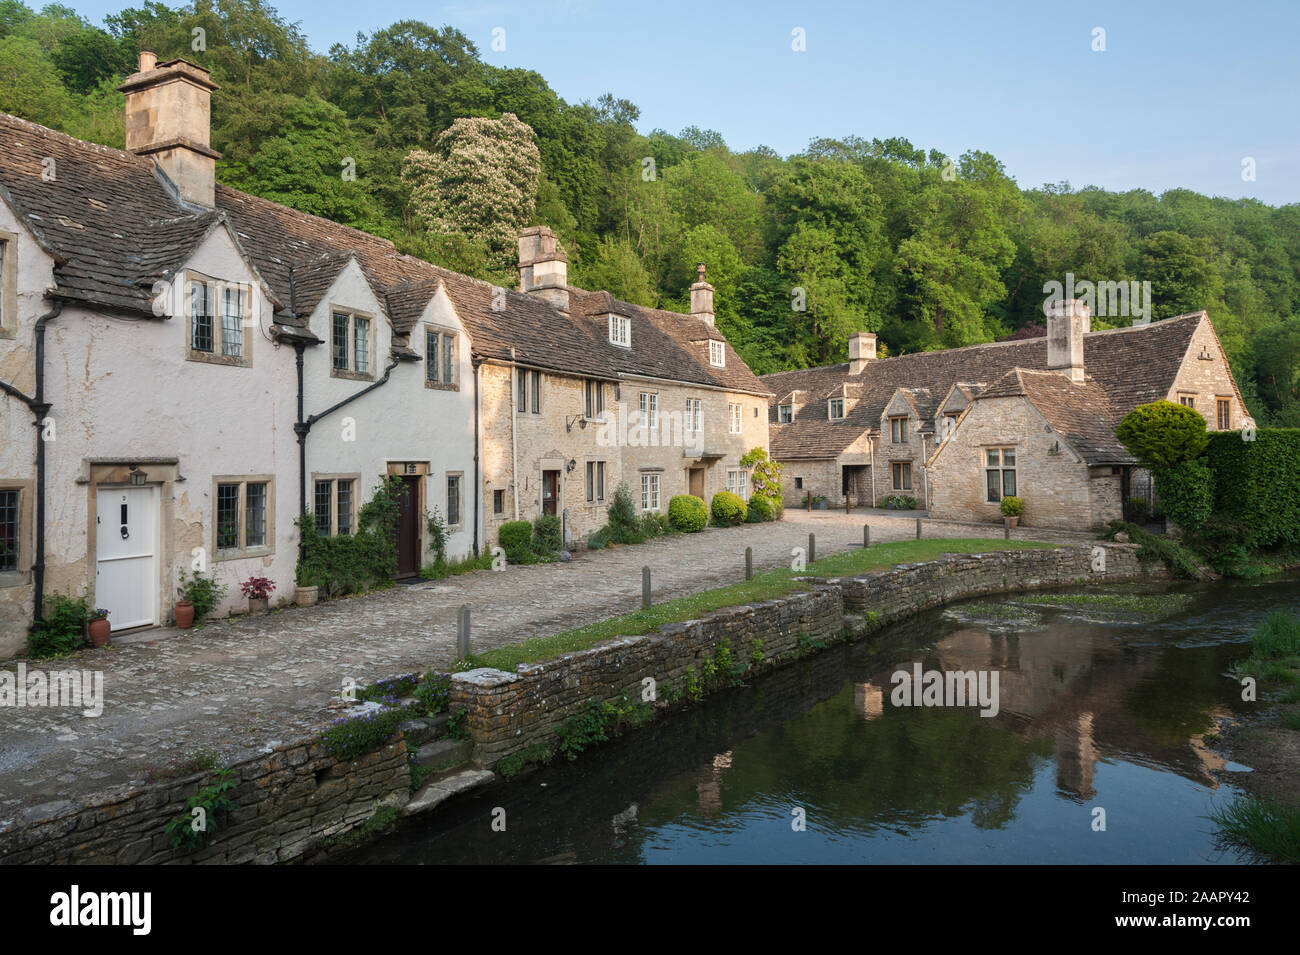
543, 266
862, 349
702, 296
168, 117
1068, 320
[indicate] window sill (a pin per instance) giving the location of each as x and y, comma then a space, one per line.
14, 578
215, 359
440, 386
222, 555
351, 375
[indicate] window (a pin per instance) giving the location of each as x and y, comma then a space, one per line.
694, 414
439, 358
649, 407
798, 483
898, 430
717, 354
201, 336
593, 399
1000, 473
1224, 408
232, 323
595, 481
536, 394
521, 387
902, 475
836, 408
8, 284
453, 500
738, 482
733, 413
498, 502
332, 505
529, 386
1187, 401
243, 517
10, 527
785, 414
350, 344
218, 312
650, 492
620, 331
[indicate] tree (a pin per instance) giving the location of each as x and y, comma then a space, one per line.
1163, 434
1182, 277
615, 267
479, 180
29, 85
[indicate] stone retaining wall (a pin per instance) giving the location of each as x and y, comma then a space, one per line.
510, 712
289, 799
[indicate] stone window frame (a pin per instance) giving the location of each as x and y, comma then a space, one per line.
596, 481
694, 423
21, 576
620, 330
784, 414
900, 425
648, 401
651, 481
742, 482
717, 353
243, 551
355, 508
459, 477
1223, 416
735, 417
1187, 399
593, 388
350, 373
1001, 470
442, 333
8, 284
798, 483
192, 277
497, 511
900, 467
830, 409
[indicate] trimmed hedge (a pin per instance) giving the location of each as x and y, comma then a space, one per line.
516, 539
688, 513
1186, 493
1257, 483
548, 534
761, 509
728, 509
1163, 434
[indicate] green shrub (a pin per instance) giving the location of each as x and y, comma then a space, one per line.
764, 480
353, 563
650, 526
1186, 493
688, 513
728, 509
433, 693
62, 628
625, 525
1163, 434
1257, 484
438, 536
215, 805
1012, 506
204, 591
349, 737
598, 539
760, 510
1278, 636
901, 502
516, 539
457, 565
548, 534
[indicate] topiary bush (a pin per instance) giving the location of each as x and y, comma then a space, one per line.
625, 526
1163, 434
760, 510
688, 513
728, 509
516, 539
1012, 506
548, 534
1186, 493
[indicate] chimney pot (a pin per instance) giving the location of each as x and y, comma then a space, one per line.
148, 60
702, 297
169, 118
543, 266
862, 350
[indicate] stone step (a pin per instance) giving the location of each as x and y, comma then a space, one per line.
439, 790
444, 753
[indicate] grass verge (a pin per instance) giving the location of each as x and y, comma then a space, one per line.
1265, 828
764, 586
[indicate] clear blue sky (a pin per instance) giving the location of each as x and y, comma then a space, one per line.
1182, 94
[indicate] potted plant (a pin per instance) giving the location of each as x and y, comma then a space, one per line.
197, 595
258, 590
99, 627
1012, 508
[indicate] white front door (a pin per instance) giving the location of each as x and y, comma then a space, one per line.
126, 555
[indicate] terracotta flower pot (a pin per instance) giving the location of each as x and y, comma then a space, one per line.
184, 614
1014, 521
259, 605
100, 631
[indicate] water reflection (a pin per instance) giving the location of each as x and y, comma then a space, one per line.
1090, 716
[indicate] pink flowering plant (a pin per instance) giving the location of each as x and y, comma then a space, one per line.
257, 587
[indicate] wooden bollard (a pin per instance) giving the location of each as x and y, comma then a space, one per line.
866, 535
918, 528
645, 588
462, 633
812, 548
749, 563
847, 509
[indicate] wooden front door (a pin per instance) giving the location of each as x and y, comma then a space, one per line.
550, 491
408, 528
697, 482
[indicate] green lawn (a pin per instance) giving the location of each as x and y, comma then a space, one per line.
764, 586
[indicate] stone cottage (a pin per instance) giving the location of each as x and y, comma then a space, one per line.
185, 370
956, 430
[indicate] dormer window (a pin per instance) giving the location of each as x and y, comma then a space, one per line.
8, 285
350, 345
898, 430
717, 354
785, 414
620, 331
439, 358
217, 313
836, 409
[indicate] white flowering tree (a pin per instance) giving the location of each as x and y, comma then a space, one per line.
479, 180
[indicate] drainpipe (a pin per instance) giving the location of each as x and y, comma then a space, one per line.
300, 428
40, 410
477, 366
925, 473
872, 445
514, 436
